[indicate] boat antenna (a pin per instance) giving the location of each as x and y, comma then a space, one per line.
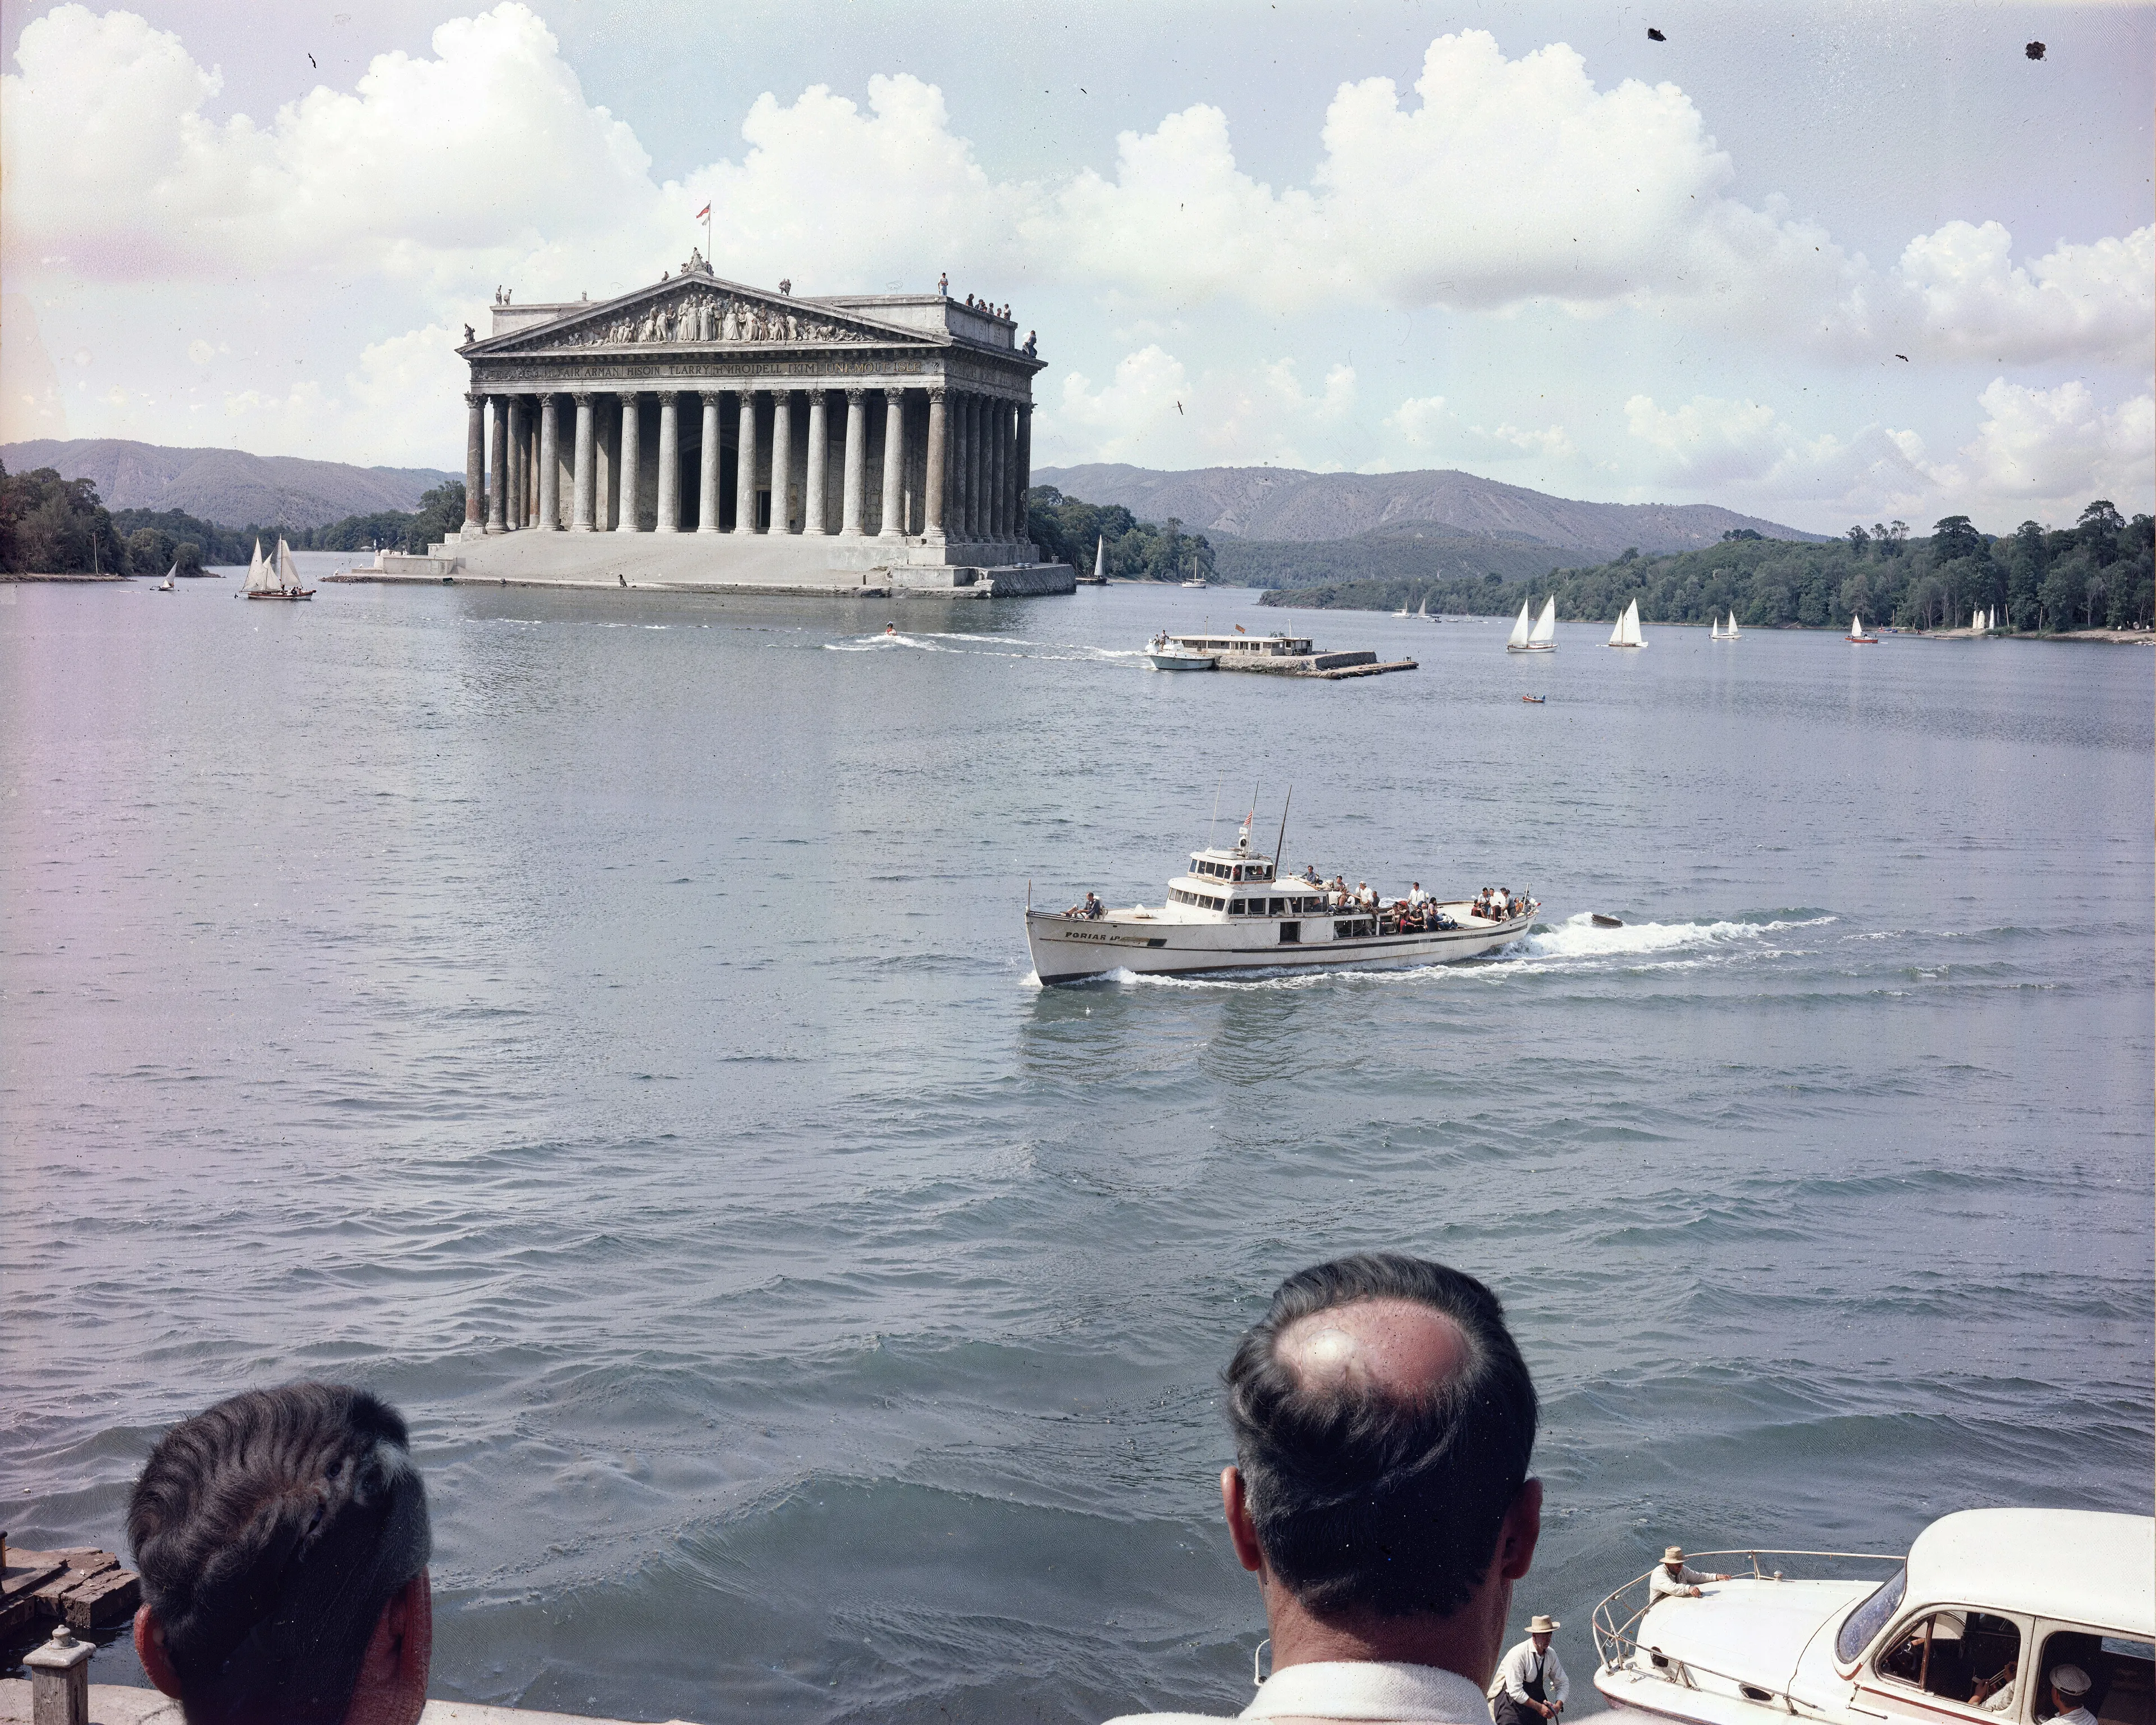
1279, 851
1213, 825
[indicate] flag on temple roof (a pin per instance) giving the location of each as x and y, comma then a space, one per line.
704, 212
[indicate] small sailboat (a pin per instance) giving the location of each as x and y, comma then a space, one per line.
1719, 634
1099, 578
1627, 632
1540, 638
165, 585
277, 581
1423, 613
1196, 581
1402, 611
1731, 635
1856, 632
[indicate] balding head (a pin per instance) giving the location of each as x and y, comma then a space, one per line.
1383, 1419
1399, 1351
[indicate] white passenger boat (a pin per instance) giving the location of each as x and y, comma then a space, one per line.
1167, 653
1229, 913
1972, 1627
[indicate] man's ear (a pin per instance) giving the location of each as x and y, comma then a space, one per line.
1520, 1532
393, 1672
150, 1649
1242, 1531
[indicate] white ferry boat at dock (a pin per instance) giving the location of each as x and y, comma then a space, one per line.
1280, 655
1230, 913
1994, 1616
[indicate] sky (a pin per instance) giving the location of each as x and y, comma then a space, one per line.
1829, 264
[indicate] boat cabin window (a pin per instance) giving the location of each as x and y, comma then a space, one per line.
1201, 900
2118, 1671
1867, 1620
1967, 1656
1235, 908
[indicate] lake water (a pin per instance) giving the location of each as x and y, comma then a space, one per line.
602, 1025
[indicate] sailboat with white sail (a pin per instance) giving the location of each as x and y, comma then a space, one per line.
1719, 634
1539, 638
1627, 632
165, 585
1099, 578
1423, 613
279, 580
1857, 635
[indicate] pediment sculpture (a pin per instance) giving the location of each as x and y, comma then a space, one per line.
704, 315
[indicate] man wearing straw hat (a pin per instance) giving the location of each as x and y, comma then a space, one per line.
1530, 1682
1675, 1578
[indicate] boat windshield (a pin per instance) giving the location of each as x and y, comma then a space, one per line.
1867, 1620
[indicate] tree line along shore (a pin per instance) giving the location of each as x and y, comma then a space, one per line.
2097, 574
52, 525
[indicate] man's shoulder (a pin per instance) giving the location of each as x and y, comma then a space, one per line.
1170, 1718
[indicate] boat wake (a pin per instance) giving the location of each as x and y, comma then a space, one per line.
1577, 937
986, 647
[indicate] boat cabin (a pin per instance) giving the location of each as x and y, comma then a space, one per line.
1266, 646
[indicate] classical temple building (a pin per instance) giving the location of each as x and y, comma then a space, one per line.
697, 431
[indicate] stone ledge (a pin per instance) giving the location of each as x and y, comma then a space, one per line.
116, 1704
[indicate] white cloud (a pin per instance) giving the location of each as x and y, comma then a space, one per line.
1419, 421
1970, 299
2039, 450
1155, 412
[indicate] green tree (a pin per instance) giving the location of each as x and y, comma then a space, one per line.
1953, 539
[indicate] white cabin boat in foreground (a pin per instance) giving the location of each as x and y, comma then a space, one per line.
1969, 1627
1229, 913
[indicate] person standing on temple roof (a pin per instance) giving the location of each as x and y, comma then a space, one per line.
1530, 1681
943, 283
1032, 349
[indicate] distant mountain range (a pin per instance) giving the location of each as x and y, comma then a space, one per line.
1283, 504
228, 486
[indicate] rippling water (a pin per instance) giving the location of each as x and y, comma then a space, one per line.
603, 1026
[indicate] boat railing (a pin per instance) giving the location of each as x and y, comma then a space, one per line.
1617, 1618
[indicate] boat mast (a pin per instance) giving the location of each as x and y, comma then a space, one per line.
1279, 844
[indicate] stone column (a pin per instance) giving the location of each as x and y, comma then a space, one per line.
497, 501
893, 465
817, 487
708, 468
1022, 477
670, 461
529, 489
474, 462
515, 464
999, 467
977, 431
550, 464
632, 463
583, 494
745, 466
961, 435
857, 454
782, 461
932, 490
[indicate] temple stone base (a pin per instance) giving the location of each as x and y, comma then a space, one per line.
752, 562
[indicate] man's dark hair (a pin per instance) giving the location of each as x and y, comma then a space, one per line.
270, 1531
1363, 1501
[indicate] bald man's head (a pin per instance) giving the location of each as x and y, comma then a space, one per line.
1383, 1421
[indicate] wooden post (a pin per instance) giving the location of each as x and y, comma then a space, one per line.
59, 1680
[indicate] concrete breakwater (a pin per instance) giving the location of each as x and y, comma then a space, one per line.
116, 1704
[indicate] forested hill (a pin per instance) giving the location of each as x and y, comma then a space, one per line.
2098, 573
1284, 503
228, 486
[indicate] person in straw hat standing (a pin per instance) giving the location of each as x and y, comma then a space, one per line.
1530, 1682
1674, 1577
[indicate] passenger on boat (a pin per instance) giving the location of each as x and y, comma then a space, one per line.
1397, 1374
1366, 895
1530, 1679
1311, 876
2070, 1688
1417, 898
1092, 908
1675, 1578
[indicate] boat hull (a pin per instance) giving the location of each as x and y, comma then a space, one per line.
1181, 661
1076, 949
1547, 647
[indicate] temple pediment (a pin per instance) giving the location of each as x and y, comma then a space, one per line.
695, 307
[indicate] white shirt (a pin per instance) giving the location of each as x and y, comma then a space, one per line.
1418, 897
1363, 1690
1519, 1667
2079, 1716
1661, 1583
2001, 1699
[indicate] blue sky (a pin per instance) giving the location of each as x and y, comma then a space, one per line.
1524, 241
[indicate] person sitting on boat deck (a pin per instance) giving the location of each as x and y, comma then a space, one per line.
1676, 1578
2070, 1688
1530, 1679
1995, 1694
283, 1540
1311, 876
1092, 907
1380, 1392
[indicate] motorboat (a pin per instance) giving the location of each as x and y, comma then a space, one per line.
1970, 1625
1541, 638
1165, 652
1627, 632
1535, 699
1228, 912
1602, 919
1857, 635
